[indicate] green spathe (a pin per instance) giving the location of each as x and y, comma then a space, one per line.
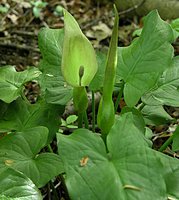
77, 53
106, 115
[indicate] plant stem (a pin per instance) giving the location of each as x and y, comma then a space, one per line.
118, 98
80, 119
54, 191
51, 183
24, 97
93, 112
48, 191
166, 143
86, 120
64, 187
140, 106
50, 148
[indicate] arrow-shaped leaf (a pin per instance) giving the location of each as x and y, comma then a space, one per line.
141, 64
15, 185
11, 82
52, 81
167, 90
20, 116
21, 151
130, 169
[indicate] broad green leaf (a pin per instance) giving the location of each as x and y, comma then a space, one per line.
52, 82
78, 53
11, 82
175, 26
2, 197
97, 82
137, 32
138, 119
141, 64
170, 171
148, 136
16, 186
20, 151
139, 122
175, 145
57, 91
173, 183
3, 108
155, 115
131, 169
19, 116
167, 90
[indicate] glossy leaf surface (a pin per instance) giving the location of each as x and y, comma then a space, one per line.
142, 63
77, 52
175, 145
52, 82
21, 151
20, 116
131, 169
97, 81
166, 91
16, 186
11, 82
155, 115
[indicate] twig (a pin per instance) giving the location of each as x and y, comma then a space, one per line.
132, 8
26, 33
96, 21
8, 12
21, 47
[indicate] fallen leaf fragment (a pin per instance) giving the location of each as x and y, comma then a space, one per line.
84, 161
131, 187
9, 162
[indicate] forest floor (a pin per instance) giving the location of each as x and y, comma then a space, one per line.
21, 20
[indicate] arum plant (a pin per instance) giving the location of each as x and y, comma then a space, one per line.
106, 115
79, 63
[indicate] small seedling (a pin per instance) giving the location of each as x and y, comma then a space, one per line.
37, 7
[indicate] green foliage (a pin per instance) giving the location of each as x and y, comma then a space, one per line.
81, 53
37, 7
4, 9
69, 121
16, 186
155, 115
20, 151
52, 83
175, 145
166, 90
105, 117
20, 116
175, 26
80, 99
117, 164
58, 10
12, 82
130, 168
142, 63
97, 81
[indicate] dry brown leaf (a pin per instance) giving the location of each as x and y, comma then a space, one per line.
84, 161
